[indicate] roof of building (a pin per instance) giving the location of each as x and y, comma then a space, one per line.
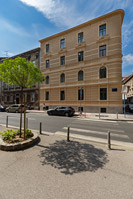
27, 52
126, 79
119, 11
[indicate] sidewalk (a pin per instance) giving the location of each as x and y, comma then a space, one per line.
96, 116
56, 169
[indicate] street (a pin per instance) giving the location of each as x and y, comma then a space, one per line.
120, 130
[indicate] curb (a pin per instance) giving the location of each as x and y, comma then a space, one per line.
125, 145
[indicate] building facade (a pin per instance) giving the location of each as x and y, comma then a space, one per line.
128, 82
11, 94
83, 66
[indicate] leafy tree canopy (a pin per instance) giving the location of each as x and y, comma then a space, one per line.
20, 72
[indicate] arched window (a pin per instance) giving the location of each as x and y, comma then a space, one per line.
47, 80
80, 75
102, 72
62, 77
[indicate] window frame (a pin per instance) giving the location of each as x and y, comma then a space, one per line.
47, 63
103, 94
47, 79
103, 51
80, 94
80, 37
102, 74
62, 60
62, 43
47, 48
102, 30
62, 78
47, 95
81, 75
62, 95
80, 56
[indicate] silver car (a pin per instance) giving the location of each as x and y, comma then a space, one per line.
15, 108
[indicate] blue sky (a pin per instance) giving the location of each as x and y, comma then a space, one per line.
24, 22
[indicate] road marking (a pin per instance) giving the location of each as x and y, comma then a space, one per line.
97, 132
97, 120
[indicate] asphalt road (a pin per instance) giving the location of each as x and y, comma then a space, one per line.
120, 131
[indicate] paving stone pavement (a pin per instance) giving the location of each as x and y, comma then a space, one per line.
56, 169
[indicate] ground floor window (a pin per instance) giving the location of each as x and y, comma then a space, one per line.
103, 110
103, 93
47, 96
81, 94
62, 95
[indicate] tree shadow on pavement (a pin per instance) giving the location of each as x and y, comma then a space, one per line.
73, 157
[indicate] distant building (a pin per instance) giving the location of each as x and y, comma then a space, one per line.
128, 81
83, 66
11, 94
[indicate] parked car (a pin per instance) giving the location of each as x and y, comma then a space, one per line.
2, 108
15, 108
62, 111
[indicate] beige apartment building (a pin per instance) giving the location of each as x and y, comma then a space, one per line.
83, 66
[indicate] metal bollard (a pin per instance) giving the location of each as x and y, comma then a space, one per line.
117, 115
109, 140
26, 123
99, 114
7, 122
40, 128
68, 131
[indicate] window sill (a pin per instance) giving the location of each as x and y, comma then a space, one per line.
80, 45
103, 38
62, 50
47, 55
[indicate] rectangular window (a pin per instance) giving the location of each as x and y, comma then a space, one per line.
47, 63
47, 48
114, 89
62, 60
62, 43
103, 110
102, 30
81, 56
102, 51
103, 93
62, 95
47, 95
80, 37
81, 94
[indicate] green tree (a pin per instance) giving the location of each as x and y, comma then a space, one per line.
21, 73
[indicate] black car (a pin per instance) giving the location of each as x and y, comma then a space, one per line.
62, 110
2, 108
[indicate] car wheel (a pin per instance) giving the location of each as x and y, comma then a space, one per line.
49, 113
67, 114
16, 111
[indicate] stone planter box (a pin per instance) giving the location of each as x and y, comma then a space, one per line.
19, 145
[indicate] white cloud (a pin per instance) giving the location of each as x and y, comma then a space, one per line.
72, 12
128, 60
127, 33
14, 28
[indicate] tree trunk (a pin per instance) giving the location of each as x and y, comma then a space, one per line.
24, 118
20, 135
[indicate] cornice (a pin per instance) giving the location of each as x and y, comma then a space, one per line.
113, 13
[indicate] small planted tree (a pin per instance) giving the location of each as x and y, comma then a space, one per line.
21, 73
